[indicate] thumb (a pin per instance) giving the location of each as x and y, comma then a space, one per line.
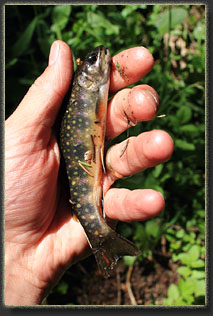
43, 100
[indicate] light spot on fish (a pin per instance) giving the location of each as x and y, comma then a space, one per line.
77, 143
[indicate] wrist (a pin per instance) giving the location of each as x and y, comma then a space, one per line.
21, 286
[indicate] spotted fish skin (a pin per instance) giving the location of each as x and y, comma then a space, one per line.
82, 144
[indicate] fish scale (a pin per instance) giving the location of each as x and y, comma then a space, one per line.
82, 144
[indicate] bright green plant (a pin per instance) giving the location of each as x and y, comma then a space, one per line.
188, 248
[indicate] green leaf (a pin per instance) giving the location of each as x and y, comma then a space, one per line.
152, 228
140, 234
180, 301
129, 9
129, 260
189, 298
184, 114
189, 128
157, 170
23, 41
97, 21
199, 31
184, 145
186, 287
194, 253
168, 301
198, 263
198, 274
200, 289
61, 15
11, 63
184, 271
173, 292
191, 256
180, 233
62, 287
175, 245
178, 15
201, 213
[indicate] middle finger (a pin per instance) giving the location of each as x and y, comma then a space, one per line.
130, 106
138, 153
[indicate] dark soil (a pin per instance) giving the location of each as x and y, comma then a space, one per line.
145, 284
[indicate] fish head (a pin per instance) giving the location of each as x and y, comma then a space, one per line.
95, 69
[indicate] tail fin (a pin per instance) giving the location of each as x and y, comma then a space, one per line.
110, 249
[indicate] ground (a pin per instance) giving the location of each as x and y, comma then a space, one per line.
142, 284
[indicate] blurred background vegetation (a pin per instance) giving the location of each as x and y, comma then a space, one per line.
175, 35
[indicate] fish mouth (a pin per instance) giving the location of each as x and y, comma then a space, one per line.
104, 56
104, 52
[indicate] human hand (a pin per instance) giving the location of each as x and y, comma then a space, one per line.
41, 238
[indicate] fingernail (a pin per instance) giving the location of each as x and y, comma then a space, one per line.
54, 52
155, 101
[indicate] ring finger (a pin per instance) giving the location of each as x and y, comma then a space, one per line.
136, 154
130, 106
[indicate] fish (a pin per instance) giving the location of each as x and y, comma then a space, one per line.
82, 134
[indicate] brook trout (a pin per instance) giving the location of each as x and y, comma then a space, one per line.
82, 144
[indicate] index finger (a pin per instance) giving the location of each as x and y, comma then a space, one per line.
129, 66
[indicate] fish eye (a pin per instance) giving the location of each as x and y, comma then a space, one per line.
92, 58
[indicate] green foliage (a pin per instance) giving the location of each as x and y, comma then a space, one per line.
175, 35
169, 19
188, 249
